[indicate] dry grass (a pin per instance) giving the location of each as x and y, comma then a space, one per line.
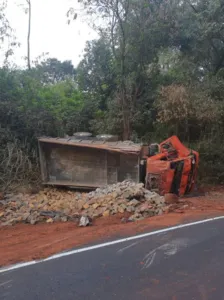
17, 166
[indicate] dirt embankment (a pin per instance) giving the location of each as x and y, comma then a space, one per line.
24, 242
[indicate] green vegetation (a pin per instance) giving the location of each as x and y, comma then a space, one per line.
157, 69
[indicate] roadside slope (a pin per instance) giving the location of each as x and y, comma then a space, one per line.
25, 242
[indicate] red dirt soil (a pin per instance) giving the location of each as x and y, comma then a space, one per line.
26, 242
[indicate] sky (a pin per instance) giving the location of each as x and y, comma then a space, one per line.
50, 31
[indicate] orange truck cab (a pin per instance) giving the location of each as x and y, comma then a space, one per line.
172, 168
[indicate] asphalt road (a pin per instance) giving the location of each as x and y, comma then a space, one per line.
185, 264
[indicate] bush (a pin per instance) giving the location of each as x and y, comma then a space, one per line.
17, 165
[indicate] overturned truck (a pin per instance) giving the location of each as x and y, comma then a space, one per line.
88, 163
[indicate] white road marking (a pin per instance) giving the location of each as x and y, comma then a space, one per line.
149, 259
132, 238
174, 246
168, 249
125, 248
4, 283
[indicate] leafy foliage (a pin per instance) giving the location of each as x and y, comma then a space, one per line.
157, 69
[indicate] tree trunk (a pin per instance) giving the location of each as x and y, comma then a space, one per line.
127, 127
28, 36
123, 92
122, 21
126, 117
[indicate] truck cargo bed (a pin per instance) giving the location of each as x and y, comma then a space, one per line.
87, 164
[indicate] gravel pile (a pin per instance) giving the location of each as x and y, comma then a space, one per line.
54, 205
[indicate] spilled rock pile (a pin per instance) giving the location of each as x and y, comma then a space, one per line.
122, 197
51, 205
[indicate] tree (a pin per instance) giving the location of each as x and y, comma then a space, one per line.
5, 28
7, 36
52, 71
156, 69
96, 72
122, 21
116, 14
29, 10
